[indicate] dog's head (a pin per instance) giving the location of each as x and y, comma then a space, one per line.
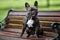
32, 11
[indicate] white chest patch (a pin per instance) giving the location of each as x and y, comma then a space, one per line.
30, 22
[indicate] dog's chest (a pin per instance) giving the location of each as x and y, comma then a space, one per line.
30, 23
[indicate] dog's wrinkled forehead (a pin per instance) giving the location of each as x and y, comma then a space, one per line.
32, 8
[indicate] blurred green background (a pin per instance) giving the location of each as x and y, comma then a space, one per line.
6, 5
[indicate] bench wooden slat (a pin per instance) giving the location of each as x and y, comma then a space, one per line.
57, 19
40, 18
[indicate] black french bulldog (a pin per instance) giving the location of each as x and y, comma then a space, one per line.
32, 13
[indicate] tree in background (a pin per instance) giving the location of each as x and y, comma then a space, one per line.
48, 3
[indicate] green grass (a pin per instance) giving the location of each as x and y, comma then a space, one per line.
6, 5
3, 14
19, 4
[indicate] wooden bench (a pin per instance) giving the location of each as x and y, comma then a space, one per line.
15, 19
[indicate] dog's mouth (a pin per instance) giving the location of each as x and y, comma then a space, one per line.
33, 15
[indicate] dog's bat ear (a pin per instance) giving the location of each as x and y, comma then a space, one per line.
27, 5
36, 4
